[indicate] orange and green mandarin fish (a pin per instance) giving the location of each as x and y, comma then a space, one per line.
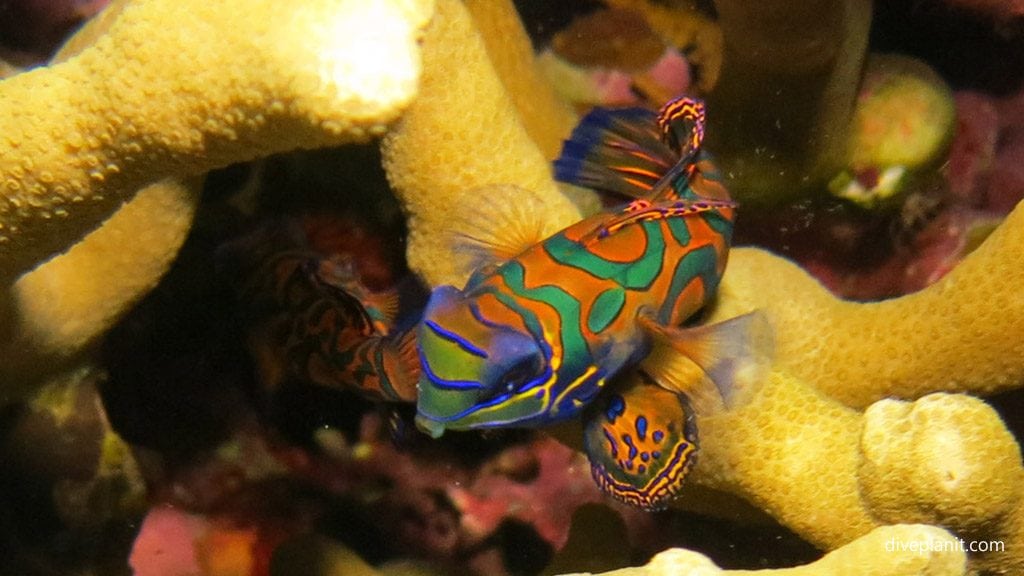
537, 338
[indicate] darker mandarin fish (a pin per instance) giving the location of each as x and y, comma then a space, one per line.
555, 331
312, 320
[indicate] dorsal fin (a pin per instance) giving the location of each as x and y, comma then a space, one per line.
642, 210
681, 122
635, 152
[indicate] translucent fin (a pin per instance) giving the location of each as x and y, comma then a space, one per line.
734, 355
382, 307
675, 372
616, 150
484, 232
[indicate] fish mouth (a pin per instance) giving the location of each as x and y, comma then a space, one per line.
430, 426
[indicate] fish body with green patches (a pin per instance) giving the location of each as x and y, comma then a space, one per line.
537, 337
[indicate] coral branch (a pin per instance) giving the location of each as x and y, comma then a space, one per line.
962, 334
547, 119
445, 146
179, 88
793, 453
69, 301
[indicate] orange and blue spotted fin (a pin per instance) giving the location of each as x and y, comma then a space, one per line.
486, 233
619, 151
641, 440
732, 355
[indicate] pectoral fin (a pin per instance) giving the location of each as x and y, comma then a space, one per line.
732, 355
485, 233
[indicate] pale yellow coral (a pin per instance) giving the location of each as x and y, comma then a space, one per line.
935, 553
792, 452
460, 134
831, 473
547, 119
178, 88
63, 305
963, 334
946, 459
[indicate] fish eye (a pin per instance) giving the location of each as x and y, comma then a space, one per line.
515, 378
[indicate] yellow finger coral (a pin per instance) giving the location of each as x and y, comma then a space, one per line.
458, 136
934, 553
946, 459
546, 118
793, 453
63, 305
963, 334
178, 88
831, 473
234, 81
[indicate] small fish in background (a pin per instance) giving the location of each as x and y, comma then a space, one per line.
544, 326
313, 321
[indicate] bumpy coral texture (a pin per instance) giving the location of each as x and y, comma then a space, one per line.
142, 100
227, 82
792, 452
457, 137
963, 333
832, 473
546, 118
67, 302
867, 556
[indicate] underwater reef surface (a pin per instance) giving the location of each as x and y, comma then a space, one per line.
160, 415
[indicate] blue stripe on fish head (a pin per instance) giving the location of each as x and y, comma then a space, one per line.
469, 364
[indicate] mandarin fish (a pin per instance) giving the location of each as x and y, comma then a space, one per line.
538, 332
313, 321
